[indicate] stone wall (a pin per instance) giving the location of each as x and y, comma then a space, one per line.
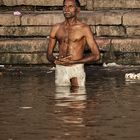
24, 38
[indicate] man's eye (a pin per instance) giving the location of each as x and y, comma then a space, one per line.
71, 6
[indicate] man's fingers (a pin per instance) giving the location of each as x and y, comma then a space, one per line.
62, 62
67, 57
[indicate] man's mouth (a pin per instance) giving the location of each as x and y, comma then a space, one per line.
66, 13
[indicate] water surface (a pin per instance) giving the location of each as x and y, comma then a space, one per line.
32, 108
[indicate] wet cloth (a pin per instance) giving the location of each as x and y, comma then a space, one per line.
63, 74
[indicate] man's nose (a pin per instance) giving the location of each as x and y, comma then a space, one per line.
66, 9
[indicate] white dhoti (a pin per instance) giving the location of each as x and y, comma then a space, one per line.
63, 74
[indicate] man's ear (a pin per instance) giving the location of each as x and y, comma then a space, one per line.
78, 10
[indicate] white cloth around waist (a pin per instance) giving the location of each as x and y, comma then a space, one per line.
63, 74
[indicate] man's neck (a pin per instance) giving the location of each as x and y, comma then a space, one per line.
71, 21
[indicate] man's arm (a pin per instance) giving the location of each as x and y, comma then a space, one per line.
52, 43
95, 53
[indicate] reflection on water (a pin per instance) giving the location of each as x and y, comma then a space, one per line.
32, 108
66, 95
74, 99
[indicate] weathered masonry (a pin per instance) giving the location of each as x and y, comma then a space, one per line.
24, 38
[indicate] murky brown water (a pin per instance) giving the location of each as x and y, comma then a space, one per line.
32, 108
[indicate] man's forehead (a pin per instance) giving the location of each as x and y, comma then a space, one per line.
69, 2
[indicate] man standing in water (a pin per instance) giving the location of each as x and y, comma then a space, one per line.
72, 36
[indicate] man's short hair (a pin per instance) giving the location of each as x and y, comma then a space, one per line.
76, 2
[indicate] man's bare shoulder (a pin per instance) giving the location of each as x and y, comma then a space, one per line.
56, 26
84, 26
55, 29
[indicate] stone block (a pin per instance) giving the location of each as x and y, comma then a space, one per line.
103, 43
48, 18
126, 45
23, 45
127, 58
110, 31
33, 2
115, 4
37, 2
101, 17
133, 31
131, 18
9, 19
25, 31
89, 5
33, 51
35, 58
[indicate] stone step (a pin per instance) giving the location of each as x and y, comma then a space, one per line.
53, 17
40, 58
33, 51
36, 2
103, 23
89, 4
113, 17
44, 31
115, 4
25, 31
33, 45
23, 58
22, 45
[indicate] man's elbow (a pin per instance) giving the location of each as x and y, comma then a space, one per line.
97, 57
48, 57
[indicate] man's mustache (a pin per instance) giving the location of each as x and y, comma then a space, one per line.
67, 13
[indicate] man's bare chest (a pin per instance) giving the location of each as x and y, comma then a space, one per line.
69, 35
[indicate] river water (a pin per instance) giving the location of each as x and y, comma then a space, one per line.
32, 108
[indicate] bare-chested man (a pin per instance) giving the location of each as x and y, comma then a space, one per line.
72, 36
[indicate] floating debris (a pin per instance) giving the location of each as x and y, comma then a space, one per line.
53, 68
113, 64
132, 76
49, 71
25, 107
1, 66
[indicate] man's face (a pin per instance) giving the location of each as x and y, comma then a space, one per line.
69, 9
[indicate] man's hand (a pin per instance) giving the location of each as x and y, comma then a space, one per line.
66, 61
